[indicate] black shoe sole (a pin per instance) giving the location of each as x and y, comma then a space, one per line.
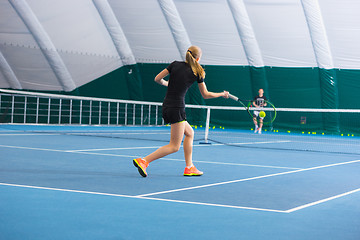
139, 169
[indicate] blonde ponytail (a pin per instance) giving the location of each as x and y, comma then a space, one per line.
192, 54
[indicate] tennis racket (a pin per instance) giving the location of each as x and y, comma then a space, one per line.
269, 110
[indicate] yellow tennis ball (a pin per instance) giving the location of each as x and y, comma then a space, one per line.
262, 114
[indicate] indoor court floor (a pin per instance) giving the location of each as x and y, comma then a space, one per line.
63, 186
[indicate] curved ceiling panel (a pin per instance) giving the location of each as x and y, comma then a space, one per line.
61, 45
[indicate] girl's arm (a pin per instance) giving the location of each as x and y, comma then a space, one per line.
160, 78
206, 94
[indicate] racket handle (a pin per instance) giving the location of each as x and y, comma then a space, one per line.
233, 97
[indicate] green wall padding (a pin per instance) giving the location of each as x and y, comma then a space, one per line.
284, 87
329, 99
123, 83
259, 80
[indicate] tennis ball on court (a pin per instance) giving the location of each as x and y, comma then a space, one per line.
262, 114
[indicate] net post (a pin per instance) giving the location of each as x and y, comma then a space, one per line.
207, 127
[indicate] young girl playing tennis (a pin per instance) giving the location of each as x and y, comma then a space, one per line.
182, 76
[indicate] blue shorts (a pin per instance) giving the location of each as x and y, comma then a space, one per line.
173, 115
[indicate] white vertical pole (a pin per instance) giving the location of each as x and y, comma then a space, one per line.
12, 108
81, 101
156, 115
207, 125
70, 114
134, 119
49, 110
100, 113
37, 110
108, 113
126, 113
60, 102
25, 106
117, 113
90, 112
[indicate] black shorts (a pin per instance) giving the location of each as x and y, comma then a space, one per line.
173, 115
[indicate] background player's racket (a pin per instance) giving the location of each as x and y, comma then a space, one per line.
269, 110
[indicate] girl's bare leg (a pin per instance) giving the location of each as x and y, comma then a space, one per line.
188, 144
177, 134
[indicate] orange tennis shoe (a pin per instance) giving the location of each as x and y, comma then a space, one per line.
141, 164
192, 171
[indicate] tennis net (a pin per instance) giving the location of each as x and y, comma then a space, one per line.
313, 130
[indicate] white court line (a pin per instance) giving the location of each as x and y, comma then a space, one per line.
240, 164
283, 141
134, 156
145, 196
109, 149
31, 148
197, 145
322, 201
29, 134
139, 197
248, 179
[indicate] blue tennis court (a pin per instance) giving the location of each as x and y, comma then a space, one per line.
56, 185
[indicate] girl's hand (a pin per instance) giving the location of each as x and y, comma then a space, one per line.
225, 94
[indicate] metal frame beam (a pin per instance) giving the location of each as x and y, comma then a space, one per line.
9, 73
44, 42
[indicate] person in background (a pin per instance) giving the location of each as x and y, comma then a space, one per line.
259, 102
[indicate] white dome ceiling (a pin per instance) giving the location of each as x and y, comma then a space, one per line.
61, 45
